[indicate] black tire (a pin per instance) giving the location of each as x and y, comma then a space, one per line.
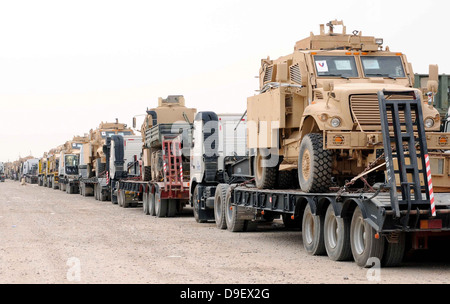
219, 206
96, 192
145, 202
312, 233
147, 173
160, 205
172, 207
314, 165
196, 206
394, 252
151, 204
233, 223
114, 199
363, 242
266, 176
286, 180
337, 236
120, 198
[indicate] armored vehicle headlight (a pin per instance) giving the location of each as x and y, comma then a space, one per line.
336, 122
429, 122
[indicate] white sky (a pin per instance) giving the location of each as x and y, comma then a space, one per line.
65, 66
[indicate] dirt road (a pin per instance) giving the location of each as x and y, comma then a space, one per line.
48, 236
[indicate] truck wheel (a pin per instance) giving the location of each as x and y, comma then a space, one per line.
219, 206
120, 198
363, 242
337, 236
160, 205
151, 204
96, 192
394, 252
114, 199
265, 175
312, 232
145, 203
231, 215
172, 207
314, 165
285, 180
196, 206
102, 196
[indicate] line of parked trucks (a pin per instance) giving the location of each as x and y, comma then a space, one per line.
338, 143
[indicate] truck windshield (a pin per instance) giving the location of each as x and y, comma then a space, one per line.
383, 66
71, 160
336, 66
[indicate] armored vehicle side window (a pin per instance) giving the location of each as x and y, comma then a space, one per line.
336, 66
71, 160
383, 66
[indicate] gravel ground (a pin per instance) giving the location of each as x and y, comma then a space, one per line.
48, 236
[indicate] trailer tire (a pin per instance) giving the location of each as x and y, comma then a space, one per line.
231, 215
151, 204
363, 242
312, 232
160, 205
120, 198
394, 252
265, 176
172, 207
314, 165
145, 203
219, 206
337, 236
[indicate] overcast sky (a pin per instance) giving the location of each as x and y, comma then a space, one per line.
65, 66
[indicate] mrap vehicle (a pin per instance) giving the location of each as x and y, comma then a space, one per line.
341, 118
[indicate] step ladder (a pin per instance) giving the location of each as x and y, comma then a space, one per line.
173, 164
406, 153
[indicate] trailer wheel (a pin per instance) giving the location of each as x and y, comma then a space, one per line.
337, 236
160, 205
314, 165
219, 206
172, 207
363, 241
145, 203
114, 199
265, 175
394, 252
231, 216
312, 232
120, 198
151, 204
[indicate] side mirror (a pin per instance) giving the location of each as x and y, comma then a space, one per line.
328, 86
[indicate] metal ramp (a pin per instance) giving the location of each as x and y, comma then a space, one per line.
405, 147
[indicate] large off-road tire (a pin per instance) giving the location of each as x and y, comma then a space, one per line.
231, 215
394, 252
266, 172
314, 165
286, 180
364, 244
337, 236
312, 232
219, 206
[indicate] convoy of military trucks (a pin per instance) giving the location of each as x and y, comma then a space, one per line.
339, 142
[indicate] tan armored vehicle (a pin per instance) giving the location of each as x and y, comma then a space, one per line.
317, 116
170, 114
92, 152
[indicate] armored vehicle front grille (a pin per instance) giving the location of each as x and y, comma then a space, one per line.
268, 74
366, 110
296, 76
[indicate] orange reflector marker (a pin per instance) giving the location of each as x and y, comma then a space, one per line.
364, 53
262, 212
377, 236
431, 224
293, 217
338, 140
443, 140
313, 53
356, 54
231, 208
399, 54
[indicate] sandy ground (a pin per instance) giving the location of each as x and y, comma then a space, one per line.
48, 236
